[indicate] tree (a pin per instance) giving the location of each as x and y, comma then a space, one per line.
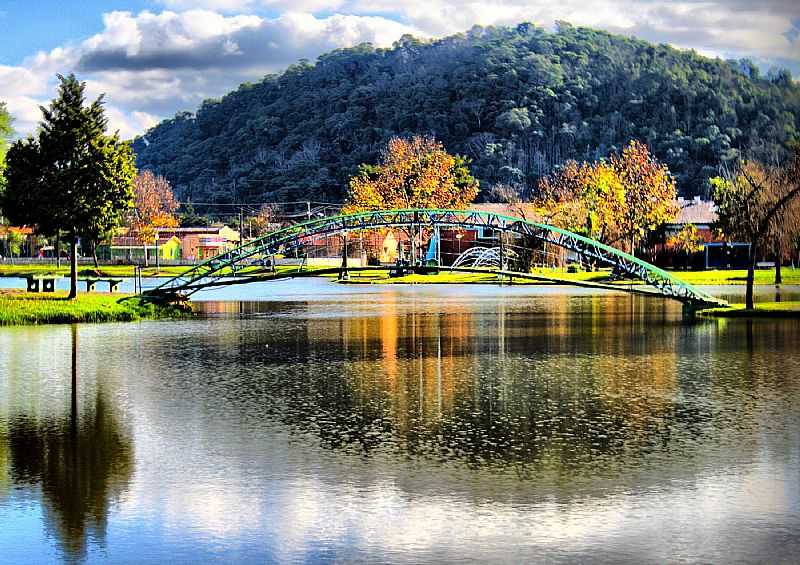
72, 178
586, 198
264, 221
154, 207
750, 201
190, 218
14, 241
413, 173
687, 241
649, 189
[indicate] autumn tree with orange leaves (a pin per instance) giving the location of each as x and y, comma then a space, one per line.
650, 193
612, 201
154, 207
586, 198
413, 173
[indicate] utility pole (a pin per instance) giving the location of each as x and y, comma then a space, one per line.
241, 226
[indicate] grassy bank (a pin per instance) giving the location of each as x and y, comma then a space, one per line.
760, 310
20, 308
114, 271
734, 277
712, 277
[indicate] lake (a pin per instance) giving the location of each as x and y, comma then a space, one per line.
307, 422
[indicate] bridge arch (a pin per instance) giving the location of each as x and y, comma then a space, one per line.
217, 270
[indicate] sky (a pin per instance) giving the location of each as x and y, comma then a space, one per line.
153, 58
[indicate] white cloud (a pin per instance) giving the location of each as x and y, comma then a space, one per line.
152, 64
214, 5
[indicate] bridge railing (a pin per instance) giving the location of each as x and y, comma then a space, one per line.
287, 237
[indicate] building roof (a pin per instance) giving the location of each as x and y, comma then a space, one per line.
22, 230
129, 241
213, 230
695, 211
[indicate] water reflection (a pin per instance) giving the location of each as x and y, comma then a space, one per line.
81, 462
584, 387
405, 425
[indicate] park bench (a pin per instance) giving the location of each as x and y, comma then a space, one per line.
42, 283
113, 284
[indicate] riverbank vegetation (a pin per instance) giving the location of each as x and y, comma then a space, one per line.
21, 308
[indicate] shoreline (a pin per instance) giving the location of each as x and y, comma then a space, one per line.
789, 309
735, 277
19, 308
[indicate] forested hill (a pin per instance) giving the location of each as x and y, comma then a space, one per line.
517, 101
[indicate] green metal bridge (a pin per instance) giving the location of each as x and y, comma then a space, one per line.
222, 270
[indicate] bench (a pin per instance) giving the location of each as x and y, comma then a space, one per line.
42, 283
113, 284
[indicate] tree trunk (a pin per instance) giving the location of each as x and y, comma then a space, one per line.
94, 255
778, 273
145, 255
751, 270
73, 268
58, 251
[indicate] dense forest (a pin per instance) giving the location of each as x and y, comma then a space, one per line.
516, 101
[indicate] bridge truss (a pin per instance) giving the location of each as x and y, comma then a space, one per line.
219, 270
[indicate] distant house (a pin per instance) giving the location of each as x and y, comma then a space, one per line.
717, 253
229, 234
697, 212
200, 243
129, 248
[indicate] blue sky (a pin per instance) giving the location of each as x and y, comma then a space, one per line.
155, 57
27, 26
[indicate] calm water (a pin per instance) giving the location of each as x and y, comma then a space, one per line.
403, 424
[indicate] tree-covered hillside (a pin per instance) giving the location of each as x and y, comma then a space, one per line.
517, 101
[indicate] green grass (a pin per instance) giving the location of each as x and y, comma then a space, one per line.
734, 277
84, 271
21, 308
712, 277
760, 310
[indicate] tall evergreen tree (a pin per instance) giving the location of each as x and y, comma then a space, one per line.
72, 179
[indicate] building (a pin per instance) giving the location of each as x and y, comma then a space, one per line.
201, 242
695, 212
716, 253
131, 248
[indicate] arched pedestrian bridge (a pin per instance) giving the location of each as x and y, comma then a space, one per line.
235, 266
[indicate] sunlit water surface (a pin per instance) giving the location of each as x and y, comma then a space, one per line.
325, 423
